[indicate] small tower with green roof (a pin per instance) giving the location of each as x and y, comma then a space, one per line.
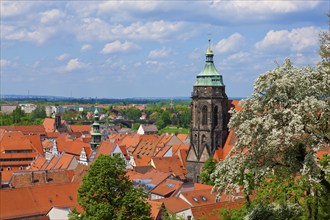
209, 109
96, 133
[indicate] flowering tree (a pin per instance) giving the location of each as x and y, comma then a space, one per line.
280, 129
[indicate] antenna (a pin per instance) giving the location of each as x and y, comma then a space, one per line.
210, 35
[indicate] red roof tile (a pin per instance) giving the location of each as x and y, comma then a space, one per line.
169, 165
37, 200
175, 204
167, 187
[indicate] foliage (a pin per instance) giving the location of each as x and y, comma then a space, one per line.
133, 113
207, 169
107, 193
136, 126
274, 212
39, 112
279, 130
19, 117
174, 130
160, 124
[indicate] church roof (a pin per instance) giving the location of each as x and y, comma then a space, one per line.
209, 76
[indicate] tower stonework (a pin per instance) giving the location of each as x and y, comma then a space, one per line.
209, 109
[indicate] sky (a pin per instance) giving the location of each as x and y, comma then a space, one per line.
124, 49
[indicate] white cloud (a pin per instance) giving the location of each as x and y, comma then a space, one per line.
117, 46
4, 63
295, 40
74, 64
13, 8
230, 44
62, 57
51, 15
86, 47
163, 52
39, 35
97, 29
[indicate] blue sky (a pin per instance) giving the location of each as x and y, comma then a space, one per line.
119, 49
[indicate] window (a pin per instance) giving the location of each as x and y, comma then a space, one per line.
8, 168
204, 115
215, 116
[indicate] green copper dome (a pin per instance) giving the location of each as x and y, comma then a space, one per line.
209, 76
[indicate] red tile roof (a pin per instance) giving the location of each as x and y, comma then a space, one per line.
27, 129
175, 204
146, 146
169, 165
167, 187
80, 128
199, 197
183, 137
64, 162
36, 142
156, 208
37, 200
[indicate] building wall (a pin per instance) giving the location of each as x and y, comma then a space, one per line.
8, 108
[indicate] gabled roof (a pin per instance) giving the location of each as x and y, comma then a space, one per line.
156, 208
80, 128
26, 129
142, 161
106, 148
15, 141
49, 124
130, 140
167, 187
37, 200
183, 137
149, 128
38, 163
169, 165
161, 151
64, 162
175, 204
222, 153
146, 146
152, 177
199, 197
36, 142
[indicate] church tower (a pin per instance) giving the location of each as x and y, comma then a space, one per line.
96, 134
209, 109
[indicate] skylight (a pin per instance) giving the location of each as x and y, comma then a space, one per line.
170, 185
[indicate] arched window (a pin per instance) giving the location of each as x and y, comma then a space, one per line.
203, 139
215, 116
195, 138
204, 115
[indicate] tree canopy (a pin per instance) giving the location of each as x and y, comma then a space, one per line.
107, 193
279, 131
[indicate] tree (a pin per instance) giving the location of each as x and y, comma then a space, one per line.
207, 169
18, 114
279, 130
107, 193
133, 113
39, 112
166, 118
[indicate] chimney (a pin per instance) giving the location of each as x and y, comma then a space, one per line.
32, 177
57, 121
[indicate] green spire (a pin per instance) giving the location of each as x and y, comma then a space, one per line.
209, 76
